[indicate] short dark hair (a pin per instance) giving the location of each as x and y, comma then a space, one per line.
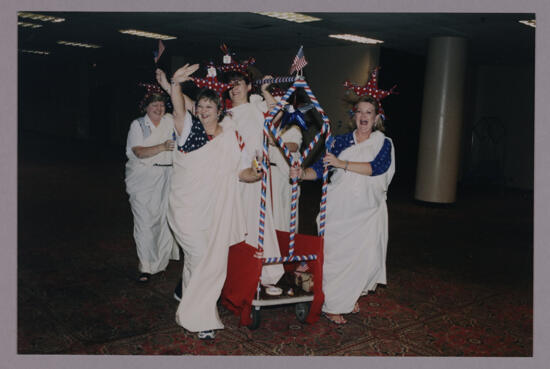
232, 76
236, 76
151, 98
213, 96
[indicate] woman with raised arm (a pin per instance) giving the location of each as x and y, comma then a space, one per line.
356, 233
205, 210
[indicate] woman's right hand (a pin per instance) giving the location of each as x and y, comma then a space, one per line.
169, 145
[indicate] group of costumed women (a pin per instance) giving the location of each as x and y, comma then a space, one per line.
193, 181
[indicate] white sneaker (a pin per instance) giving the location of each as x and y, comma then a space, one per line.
207, 335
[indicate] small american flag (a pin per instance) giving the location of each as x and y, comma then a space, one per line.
299, 61
158, 53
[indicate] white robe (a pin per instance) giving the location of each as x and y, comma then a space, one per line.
281, 189
206, 216
356, 233
148, 188
250, 121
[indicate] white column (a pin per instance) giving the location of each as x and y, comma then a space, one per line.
442, 109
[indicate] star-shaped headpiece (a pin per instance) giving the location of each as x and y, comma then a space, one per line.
230, 65
211, 81
371, 89
151, 89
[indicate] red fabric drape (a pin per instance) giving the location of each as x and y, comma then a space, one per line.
305, 245
244, 270
243, 275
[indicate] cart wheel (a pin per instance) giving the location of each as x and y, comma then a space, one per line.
302, 310
255, 316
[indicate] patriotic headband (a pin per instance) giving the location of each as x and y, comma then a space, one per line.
211, 81
230, 65
371, 89
152, 89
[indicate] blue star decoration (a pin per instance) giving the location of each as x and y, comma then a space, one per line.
293, 116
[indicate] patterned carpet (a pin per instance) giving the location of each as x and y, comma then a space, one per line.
459, 276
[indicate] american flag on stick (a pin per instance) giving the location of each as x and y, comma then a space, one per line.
158, 53
299, 61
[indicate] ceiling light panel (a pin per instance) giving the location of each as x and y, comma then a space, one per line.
157, 36
291, 17
28, 25
78, 44
40, 17
355, 38
531, 22
37, 52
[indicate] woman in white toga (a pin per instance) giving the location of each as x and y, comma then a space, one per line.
149, 150
205, 210
356, 233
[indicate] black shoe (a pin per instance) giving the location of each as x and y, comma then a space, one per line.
144, 277
177, 291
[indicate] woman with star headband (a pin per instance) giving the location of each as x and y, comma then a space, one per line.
205, 210
356, 232
248, 113
149, 150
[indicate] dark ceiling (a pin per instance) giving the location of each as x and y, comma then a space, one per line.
493, 38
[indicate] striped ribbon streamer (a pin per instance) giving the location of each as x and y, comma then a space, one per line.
284, 259
324, 130
275, 80
293, 212
263, 197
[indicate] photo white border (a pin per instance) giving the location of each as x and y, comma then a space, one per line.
8, 186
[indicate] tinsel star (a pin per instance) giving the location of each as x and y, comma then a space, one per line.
371, 89
211, 81
230, 65
292, 115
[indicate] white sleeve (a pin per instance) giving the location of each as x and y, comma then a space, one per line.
292, 134
135, 138
188, 122
246, 159
258, 102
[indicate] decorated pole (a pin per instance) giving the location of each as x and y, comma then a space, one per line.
269, 128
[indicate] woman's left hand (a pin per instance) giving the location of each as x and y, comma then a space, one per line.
162, 80
332, 160
264, 86
183, 74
